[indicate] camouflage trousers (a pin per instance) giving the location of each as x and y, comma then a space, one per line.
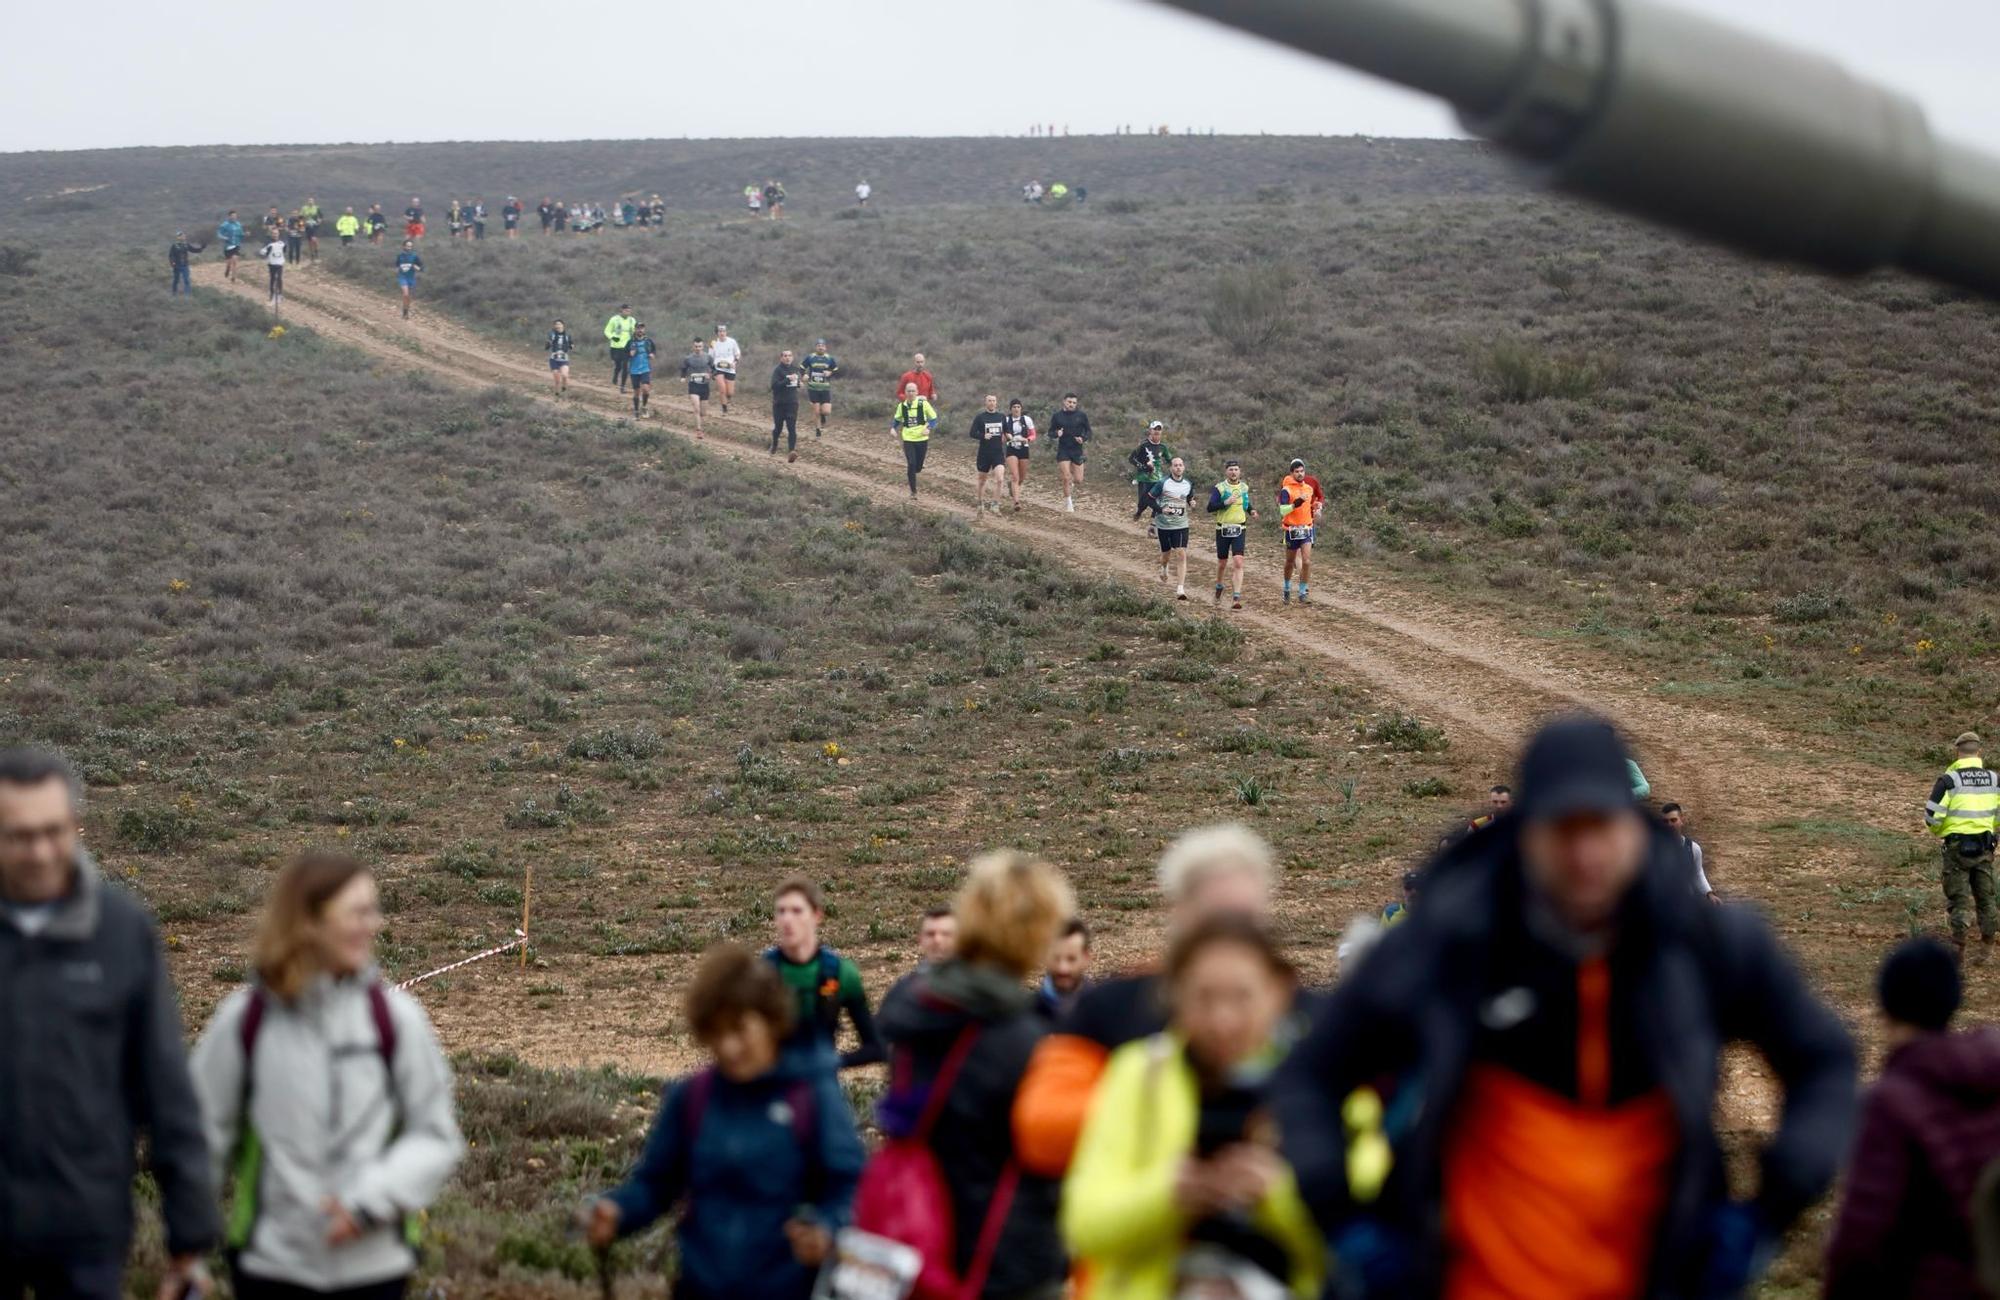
1968, 888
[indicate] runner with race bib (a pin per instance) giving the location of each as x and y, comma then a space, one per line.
1020, 441
1229, 503
989, 432
1300, 495
725, 352
820, 371
696, 368
1171, 522
560, 344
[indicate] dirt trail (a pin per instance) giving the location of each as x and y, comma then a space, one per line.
1487, 683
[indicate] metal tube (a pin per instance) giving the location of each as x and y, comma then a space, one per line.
1678, 118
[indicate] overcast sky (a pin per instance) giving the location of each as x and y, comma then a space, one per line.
137, 72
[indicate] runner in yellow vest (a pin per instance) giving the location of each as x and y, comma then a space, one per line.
618, 333
913, 422
347, 226
1229, 504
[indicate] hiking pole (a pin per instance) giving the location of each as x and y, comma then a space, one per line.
1679, 118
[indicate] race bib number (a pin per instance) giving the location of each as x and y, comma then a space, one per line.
1229, 530
1175, 509
791, 381
1301, 534
867, 1267
559, 356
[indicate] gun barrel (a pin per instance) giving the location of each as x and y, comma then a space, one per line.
1679, 118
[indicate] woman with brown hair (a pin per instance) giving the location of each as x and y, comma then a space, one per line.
760, 1145
968, 1027
326, 1094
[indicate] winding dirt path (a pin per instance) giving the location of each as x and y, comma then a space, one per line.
1487, 683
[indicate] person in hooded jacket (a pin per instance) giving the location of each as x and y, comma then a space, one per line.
1557, 1009
327, 1093
760, 1146
1929, 1128
1008, 912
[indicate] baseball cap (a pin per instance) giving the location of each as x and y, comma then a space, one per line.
1297, 463
819, 343
1574, 765
1155, 425
1232, 461
1967, 738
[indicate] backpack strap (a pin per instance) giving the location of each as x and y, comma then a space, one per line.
997, 1211
248, 1028
695, 1104
385, 1028
947, 1076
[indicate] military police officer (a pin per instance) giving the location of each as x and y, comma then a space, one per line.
1963, 809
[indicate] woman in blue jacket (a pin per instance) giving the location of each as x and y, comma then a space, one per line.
760, 1145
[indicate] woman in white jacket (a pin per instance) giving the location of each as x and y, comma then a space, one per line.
325, 1093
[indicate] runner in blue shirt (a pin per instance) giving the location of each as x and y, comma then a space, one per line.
640, 371
820, 369
230, 232
408, 263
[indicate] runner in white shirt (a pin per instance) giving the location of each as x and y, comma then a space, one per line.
725, 352
861, 193
274, 262
1171, 524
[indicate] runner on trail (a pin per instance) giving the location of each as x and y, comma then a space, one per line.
274, 225
413, 219
1299, 495
641, 366
546, 210
696, 368
862, 192
230, 232
295, 238
1229, 503
510, 216
618, 335
179, 254
825, 985
820, 371
725, 352
378, 223
1020, 441
478, 218
1171, 522
786, 377
920, 375
914, 420
560, 346
755, 198
774, 199
1149, 465
408, 264
1072, 429
312, 218
347, 226
454, 219
273, 254
989, 433
659, 210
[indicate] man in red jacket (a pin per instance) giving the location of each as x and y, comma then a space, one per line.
1930, 1126
919, 375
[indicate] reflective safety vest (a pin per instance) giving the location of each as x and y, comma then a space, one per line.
1235, 504
346, 225
618, 330
1967, 801
913, 419
1299, 496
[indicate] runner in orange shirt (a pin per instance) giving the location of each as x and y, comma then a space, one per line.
1301, 499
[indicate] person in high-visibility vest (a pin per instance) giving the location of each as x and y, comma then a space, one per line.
1299, 494
913, 422
1229, 503
347, 226
618, 334
1963, 810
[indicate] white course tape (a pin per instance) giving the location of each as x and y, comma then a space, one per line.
516, 942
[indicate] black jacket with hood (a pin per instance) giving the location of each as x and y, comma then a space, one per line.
1687, 978
92, 1057
973, 1141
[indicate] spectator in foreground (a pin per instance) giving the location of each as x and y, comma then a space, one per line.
327, 1093
1177, 1184
1929, 1128
760, 1147
92, 1058
1567, 996
971, 1023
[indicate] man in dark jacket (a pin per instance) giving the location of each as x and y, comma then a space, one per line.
1930, 1127
1550, 1022
973, 1144
93, 1055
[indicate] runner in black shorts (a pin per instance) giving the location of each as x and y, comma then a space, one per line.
696, 368
820, 371
1020, 440
1072, 429
1229, 503
989, 432
1172, 524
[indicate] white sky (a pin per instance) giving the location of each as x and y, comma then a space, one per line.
136, 72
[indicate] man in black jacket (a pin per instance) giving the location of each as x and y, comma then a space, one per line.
93, 1055
786, 377
1547, 1029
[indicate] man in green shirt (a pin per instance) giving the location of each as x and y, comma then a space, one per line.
826, 984
618, 333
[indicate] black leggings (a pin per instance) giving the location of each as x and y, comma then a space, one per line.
785, 418
293, 245
1149, 499
277, 279
913, 460
620, 358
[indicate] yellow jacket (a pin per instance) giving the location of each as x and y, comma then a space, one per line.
1118, 1213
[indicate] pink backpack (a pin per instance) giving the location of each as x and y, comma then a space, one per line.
903, 1195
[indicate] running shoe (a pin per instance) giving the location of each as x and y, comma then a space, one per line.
792, 459
1288, 596
1304, 599
1236, 603
1180, 593
1069, 504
